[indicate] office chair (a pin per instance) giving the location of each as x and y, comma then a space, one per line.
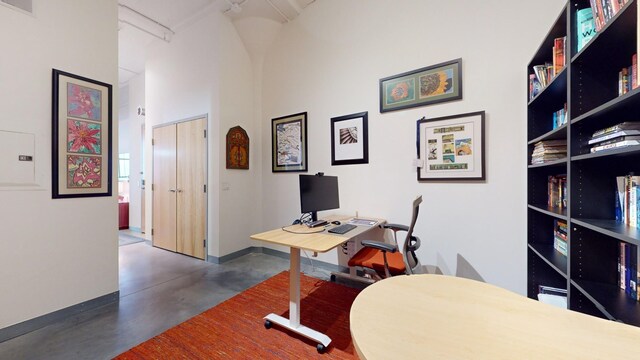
381, 260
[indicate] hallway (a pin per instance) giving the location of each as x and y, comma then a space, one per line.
158, 289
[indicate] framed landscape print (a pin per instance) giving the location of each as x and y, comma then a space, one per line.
237, 148
429, 85
350, 139
451, 147
81, 119
289, 143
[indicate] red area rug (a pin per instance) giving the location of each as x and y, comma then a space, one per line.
235, 329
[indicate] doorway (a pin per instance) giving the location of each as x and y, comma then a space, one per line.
179, 187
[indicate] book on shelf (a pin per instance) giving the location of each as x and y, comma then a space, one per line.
626, 202
627, 134
559, 58
605, 10
616, 144
548, 150
560, 117
634, 71
557, 191
624, 126
628, 275
585, 27
560, 239
534, 86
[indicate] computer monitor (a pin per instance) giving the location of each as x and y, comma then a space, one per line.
318, 192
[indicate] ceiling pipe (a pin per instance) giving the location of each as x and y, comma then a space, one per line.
278, 10
144, 23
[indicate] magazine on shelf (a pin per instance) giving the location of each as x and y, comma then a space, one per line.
615, 145
615, 135
624, 126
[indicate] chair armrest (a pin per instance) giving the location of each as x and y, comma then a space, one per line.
395, 227
379, 245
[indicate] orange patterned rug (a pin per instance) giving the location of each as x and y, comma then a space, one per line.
235, 329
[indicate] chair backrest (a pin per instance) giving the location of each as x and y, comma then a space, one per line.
411, 242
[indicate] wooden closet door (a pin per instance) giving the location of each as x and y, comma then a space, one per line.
191, 179
164, 187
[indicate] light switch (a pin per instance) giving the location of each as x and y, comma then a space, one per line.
17, 165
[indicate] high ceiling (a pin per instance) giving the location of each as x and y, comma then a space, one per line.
142, 22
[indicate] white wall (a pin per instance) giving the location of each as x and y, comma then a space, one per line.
206, 70
55, 253
328, 62
136, 87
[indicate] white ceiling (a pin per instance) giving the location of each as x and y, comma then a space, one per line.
176, 14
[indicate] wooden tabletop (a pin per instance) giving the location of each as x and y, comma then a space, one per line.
445, 317
312, 239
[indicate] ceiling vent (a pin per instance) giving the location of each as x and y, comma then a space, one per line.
24, 5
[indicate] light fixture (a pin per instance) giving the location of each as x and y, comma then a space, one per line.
142, 22
234, 7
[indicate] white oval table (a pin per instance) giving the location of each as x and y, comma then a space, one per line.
445, 317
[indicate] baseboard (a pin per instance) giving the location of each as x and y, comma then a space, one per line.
41, 321
281, 254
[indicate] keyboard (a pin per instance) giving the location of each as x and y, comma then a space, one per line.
342, 229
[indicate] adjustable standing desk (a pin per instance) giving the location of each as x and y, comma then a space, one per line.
311, 240
446, 317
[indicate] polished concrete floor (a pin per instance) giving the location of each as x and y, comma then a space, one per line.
158, 289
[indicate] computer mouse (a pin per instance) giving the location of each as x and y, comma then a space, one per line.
335, 222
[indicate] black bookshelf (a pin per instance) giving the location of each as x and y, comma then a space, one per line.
589, 86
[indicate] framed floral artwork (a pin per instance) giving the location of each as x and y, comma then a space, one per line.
289, 143
237, 148
451, 147
81, 116
429, 85
350, 139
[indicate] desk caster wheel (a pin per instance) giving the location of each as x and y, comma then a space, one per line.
333, 278
321, 349
267, 324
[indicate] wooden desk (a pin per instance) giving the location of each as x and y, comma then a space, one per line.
444, 317
298, 237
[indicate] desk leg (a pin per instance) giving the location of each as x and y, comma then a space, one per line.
293, 323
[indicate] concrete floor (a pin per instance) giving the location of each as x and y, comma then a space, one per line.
158, 290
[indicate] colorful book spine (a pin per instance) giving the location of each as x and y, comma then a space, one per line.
586, 27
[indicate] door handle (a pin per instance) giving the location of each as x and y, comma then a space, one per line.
179, 190
172, 190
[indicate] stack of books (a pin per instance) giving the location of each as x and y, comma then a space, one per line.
604, 10
619, 135
548, 150
557, 191
560, 236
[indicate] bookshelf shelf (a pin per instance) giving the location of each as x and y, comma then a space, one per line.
547, 253
557, 212
612, 229
588, 85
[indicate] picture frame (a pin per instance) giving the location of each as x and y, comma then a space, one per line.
81, 136
451, 147
425, 86
350, 139
289, 143
237, 148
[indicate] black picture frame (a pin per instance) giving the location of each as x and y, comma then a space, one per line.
350, 139
425, 86
451, 148
289, 143
81, 136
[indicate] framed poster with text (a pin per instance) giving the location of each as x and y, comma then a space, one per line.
451, 147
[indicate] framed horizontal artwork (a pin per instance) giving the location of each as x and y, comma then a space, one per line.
289, 143
429, 85
350, 139
451, 147
81, 116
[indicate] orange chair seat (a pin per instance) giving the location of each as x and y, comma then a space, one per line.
373, 259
